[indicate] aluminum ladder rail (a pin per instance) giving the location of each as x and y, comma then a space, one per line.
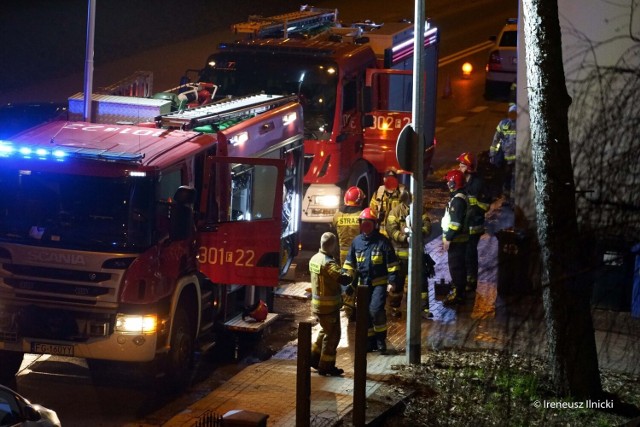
306, 18
245, 106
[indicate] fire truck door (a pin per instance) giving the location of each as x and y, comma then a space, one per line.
240, 234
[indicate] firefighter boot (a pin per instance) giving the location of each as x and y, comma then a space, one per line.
381, 342
315, 360
372, 345
426, 313
472, 284
453, 298
331, 372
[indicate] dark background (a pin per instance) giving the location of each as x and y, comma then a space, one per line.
43, 39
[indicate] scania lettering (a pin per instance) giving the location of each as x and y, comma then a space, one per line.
352, 118
142, 242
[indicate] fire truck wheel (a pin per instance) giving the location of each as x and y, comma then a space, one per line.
180, 357
10, 362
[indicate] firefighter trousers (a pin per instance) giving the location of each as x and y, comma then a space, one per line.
457, 266
324, 349
472, 260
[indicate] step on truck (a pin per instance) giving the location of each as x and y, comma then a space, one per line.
140, 242
355, 85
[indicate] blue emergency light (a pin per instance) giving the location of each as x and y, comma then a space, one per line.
59, 153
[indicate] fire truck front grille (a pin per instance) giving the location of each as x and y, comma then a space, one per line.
57, 273
57, 288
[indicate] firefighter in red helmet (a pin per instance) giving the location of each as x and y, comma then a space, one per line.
347, 226
478, 203
373, 261
386, 198
455, 235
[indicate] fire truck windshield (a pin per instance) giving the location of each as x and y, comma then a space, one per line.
75, 211
314, 80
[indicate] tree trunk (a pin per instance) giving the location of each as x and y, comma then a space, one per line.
566, 288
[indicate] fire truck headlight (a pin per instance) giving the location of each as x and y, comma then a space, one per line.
328, 201
136, 324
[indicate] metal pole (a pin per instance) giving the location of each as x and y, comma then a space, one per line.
417, 244
88, 63
303, 376
360, 357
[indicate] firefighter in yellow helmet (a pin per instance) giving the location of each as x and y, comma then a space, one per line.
327, 279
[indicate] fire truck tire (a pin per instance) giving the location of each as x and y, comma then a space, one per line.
363, 175
10, 362
179, 361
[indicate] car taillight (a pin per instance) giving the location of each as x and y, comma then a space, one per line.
495, 61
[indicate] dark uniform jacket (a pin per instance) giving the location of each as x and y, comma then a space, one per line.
454, 224
478, 203
373, 259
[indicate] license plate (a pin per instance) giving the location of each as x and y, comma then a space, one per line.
54, 349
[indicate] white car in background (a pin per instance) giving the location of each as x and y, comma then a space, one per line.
15, 410
502, 65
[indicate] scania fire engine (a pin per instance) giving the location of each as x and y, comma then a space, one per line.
139, 243
355, 85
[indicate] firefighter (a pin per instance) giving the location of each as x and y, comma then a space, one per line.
399, 228
502, 152
455, 236
478, 205
346, 224
327, 279
387, 196
372, 257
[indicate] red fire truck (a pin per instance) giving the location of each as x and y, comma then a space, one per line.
355, 85
140, 243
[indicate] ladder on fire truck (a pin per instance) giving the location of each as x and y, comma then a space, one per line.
306, 20
220, 112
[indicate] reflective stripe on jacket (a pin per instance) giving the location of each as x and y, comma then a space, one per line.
454, 221
374, 259
326, 278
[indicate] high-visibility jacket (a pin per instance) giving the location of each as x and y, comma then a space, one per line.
373, 259
505, 139
454, 222
347, 228
326, 281
396, 223
478, 203
382, 202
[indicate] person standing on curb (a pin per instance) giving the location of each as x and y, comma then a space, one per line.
502, 152
478, 205
399, 229
372, 257
455, 236
347, 227
327, 279
386, 198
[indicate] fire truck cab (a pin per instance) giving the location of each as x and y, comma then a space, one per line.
354, 83
138, 243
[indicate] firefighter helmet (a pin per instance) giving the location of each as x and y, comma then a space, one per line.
367, 214
354, 196
454, 179
390, 181
468, 160
257, 311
